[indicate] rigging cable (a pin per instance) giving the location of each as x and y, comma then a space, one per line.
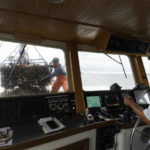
40, 55
118, 63
113, 59
9, 54
43, 60
122, 67
17, 62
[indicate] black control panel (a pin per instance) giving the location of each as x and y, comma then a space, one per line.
123, 44
105, 106
108, 105
17, 110
61, 105
8, 112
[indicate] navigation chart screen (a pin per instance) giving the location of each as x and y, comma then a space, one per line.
93, 101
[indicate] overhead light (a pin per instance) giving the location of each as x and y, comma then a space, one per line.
56, 1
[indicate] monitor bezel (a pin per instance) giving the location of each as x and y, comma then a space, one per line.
94, 96
113, 104
142, 104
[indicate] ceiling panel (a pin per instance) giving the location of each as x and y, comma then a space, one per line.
79, 20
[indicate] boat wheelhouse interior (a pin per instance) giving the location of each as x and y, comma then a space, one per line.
65, 68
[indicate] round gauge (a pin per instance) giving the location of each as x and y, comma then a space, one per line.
52, 107
60, 106
53, 100
61, 100
65, 99
56, 100
67, 109
66, 104
49, 101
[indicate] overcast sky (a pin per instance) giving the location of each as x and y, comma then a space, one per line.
146, 64
98, 62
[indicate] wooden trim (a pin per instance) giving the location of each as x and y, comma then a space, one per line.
136, 69
49, 18
142, 71
27, 38
102, 41
76, 77
70, 68
63, 134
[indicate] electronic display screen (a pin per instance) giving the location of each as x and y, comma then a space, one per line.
142, 96
93, 101
112, 100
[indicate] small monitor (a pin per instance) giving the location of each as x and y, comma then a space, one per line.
142, 96
112, 100
93, 101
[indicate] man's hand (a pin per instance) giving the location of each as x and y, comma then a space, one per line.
136, 108
50, 82
128, 100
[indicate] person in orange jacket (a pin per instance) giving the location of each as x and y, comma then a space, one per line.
61, 77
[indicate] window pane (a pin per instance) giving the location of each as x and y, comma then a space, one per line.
29, 69
99, 72
146, 63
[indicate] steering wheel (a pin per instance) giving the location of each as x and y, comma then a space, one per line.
145, 134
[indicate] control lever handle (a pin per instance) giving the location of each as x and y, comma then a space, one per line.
106, 115
126, 116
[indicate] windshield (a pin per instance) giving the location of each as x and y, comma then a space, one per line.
27, 69
99, 71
